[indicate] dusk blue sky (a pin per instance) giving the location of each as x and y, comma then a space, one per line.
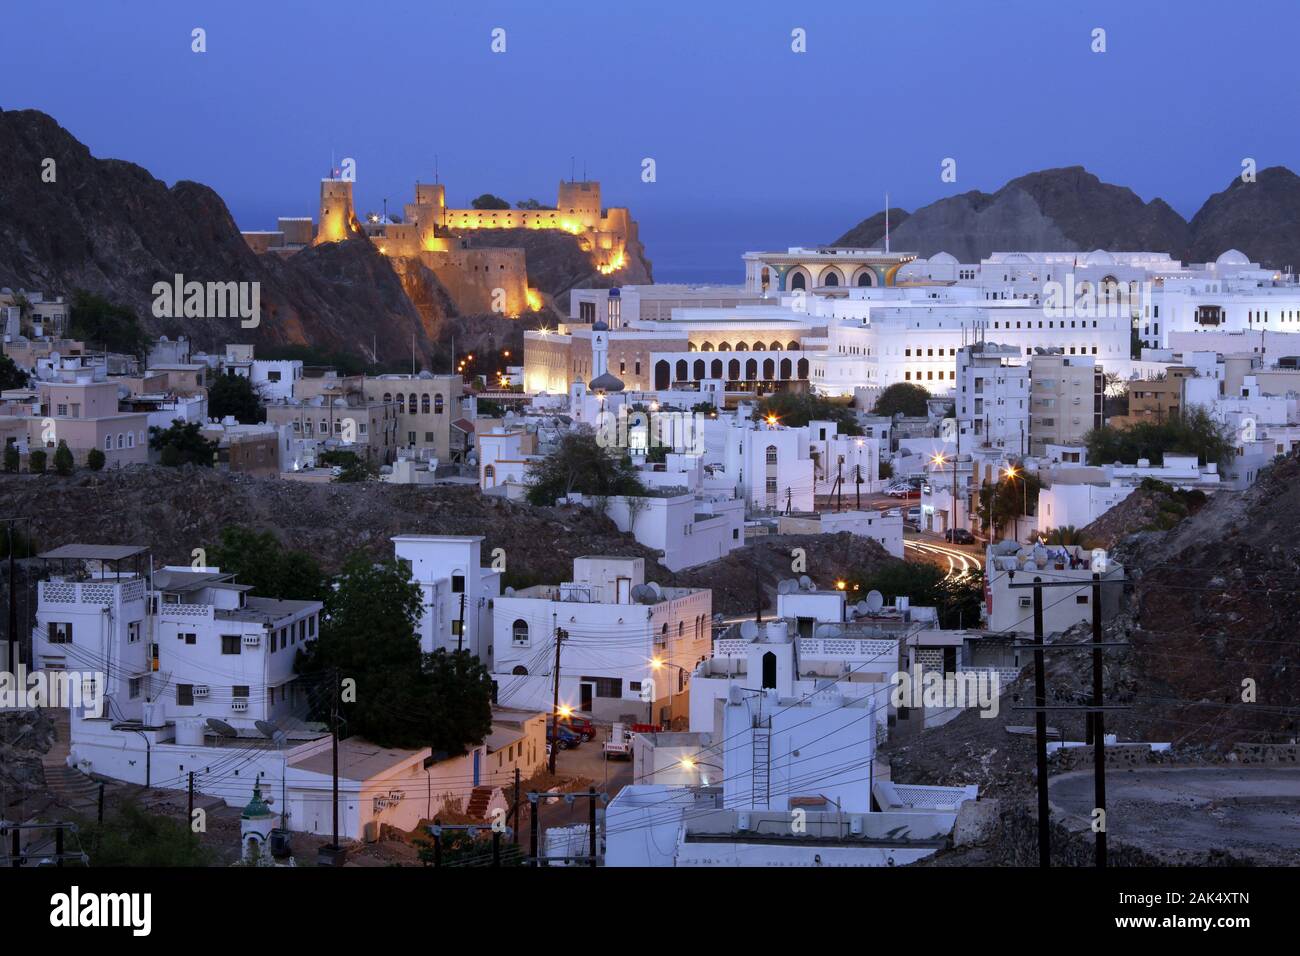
756, 146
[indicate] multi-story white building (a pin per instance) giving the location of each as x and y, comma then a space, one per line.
627, 647
992, 398
456, 591
1010, 610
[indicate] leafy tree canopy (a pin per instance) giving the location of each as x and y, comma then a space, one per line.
489, 201
580, 464
797, 410
133, 836
903, 398
11, 376
234, 395
1192, 432
272, 570
181, 443
926, 585
403, 698
102, 324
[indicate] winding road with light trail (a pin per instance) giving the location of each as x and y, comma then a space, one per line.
959, 563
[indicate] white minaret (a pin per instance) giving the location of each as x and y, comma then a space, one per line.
599, 349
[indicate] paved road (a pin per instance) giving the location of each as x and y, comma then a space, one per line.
957, 560
1194, 808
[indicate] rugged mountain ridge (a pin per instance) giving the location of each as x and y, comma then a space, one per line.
111, 228
1069, 209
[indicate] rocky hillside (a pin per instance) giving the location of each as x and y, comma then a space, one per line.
109, 227
174, 510
1071, 209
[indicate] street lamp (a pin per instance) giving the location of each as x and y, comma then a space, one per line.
659, 664
1012, 473
939, 460
690, 763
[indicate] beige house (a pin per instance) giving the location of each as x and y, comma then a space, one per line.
1065, 399
85, 415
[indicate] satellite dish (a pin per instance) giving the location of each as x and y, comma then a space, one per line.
749, 630
654, 589
875, 601
805, 582
827, 630
268, 729
510, 592
221, 728
788, 586
861, 608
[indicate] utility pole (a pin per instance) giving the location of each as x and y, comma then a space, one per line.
460, 626
591, 822
534, 813
839, 484
1040, 731
189, 818
857, 475
1094, 710
514, 812
560, 635
13, 605
1098, 723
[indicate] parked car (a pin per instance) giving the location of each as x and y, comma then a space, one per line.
566, 737
582, 726
619, 745
959, 536
914, 514
903, 491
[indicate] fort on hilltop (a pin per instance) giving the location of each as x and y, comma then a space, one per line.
434, 234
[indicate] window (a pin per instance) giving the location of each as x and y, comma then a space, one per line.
424, 403
108, 443
1081, 599
239, 691
606, 686
437, 403
60, 632
184, 695
188, 638
457, 583
133, 632
302, 630
311, 626
133, 687
771, 454
519, 632
230, 644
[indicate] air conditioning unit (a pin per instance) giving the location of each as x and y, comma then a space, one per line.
201, 690
252, 640
239, 705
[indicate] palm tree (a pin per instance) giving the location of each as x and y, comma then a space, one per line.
1064, 535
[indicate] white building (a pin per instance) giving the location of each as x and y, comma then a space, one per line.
456, 591
688, 529
1011, 609
627, 647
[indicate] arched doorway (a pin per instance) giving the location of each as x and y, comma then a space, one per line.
681, 370
699, 369
769, 369
733, 370
785, 368
663, 375
751, 369
769, 670
715, 369
803, 368
797, 281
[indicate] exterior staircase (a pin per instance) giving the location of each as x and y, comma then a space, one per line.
479, 799
762, 763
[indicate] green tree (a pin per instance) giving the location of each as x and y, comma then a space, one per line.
234, 395
580, 464
182, 443
797, 410
957, 599
134, 836
1065, 535
903, 398
1191, 432
353, 466
11, 376
531, 204
368, 635
36, 461
63, 462
488, 201
460, 691
105, 325
12, 458
95, 459
886, 470
998, 505
272, 570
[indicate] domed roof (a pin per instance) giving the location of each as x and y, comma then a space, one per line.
913, 270
257, 806
425, 374
606, 383
599, 326
942, 258
1099, 257
1232, 257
